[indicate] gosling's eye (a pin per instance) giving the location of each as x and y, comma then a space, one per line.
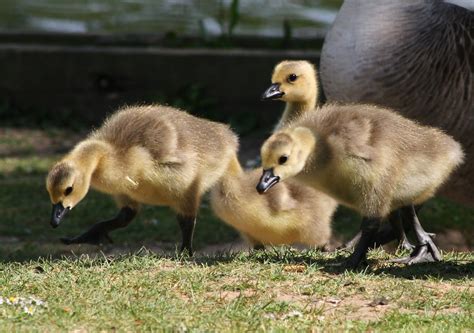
282, 159
292, 78
68, 191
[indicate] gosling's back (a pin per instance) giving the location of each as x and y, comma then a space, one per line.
382, 156
166, 131
290, 213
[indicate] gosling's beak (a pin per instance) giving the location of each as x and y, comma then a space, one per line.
58, 214
273, 92
267, 181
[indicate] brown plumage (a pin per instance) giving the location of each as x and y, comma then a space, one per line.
153, 155
366, 157
288, 214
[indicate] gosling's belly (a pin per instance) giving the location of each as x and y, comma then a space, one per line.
153, 196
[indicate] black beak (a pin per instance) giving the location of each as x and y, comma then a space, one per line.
58, 214
267, 181
273, 92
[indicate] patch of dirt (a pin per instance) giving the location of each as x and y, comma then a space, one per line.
441, 288
357, 307
229, 296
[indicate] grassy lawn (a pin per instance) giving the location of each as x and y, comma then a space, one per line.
273, 290
139, 283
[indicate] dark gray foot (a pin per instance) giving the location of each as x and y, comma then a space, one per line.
354, 261
421, 254
426, 250
99, 232
406, 245
91, 236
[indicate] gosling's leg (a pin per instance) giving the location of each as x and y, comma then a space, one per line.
187, 223
369, 228
388, 232
99, 232
425, 250
395, 229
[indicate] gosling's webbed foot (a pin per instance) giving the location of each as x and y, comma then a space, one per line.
423, 253
94, 237
406, 245
353, 262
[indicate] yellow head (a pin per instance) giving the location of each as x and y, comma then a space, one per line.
66, 186
284, 155
294, 82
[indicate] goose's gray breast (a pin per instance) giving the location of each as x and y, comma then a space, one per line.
415, 56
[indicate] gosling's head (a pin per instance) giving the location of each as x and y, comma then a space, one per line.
66, 186
294, 82
284, 155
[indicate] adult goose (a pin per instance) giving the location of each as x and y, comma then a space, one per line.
416, 57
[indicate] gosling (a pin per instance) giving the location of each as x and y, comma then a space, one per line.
290, 214
296, 83
154, 155
368, 158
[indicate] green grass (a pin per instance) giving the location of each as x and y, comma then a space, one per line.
116, 287
267, 291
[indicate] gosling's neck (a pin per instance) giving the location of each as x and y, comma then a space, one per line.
294, 110
87, 156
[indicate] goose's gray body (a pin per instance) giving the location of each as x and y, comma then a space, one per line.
414, 56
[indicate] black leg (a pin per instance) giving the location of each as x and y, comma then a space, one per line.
99, 232
369, 228
401, 226
187, 223
387, 233
425, 250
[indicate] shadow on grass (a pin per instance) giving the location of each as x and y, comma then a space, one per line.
446, 270
455, 266
30, 252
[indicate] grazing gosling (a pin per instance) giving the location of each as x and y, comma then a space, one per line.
296, 83
290, 214
154, 155
368, 158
